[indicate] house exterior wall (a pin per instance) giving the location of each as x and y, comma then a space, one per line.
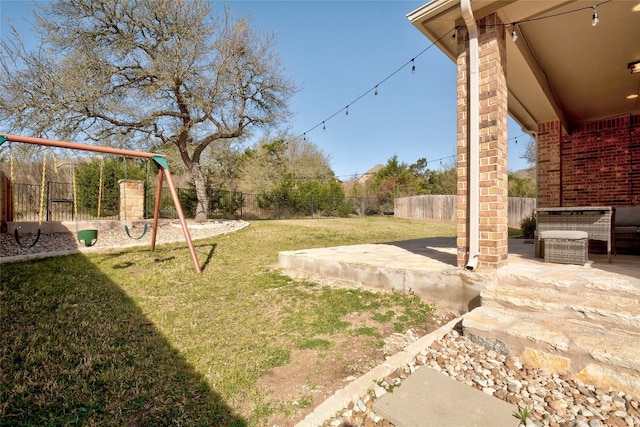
548, 164
493, 181
596, 164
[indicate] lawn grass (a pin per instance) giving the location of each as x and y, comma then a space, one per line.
138, 338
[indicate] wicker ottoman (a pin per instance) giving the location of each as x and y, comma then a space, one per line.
565, 246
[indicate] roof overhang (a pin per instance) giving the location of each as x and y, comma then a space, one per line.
561, 66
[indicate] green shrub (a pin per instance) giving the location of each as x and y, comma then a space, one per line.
528, 226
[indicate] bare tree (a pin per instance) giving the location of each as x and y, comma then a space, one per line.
270, 159
144, 73
365, 201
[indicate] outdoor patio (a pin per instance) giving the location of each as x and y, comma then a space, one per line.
571, 319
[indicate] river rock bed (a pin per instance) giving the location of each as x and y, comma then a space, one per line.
551, 399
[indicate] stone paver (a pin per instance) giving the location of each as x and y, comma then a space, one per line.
430, 399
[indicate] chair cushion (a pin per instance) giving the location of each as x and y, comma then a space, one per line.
627, 230
564, 234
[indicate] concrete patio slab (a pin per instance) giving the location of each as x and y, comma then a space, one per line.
420, 267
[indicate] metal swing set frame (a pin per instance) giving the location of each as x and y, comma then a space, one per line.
163, 171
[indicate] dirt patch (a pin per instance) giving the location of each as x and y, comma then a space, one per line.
312, 375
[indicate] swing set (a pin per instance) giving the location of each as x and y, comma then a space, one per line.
89, 236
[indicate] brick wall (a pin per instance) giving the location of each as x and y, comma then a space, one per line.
601, 164
493, 185
548, 164
597, 163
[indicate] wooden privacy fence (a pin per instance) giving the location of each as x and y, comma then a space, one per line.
426, 206
519, 208
444, 207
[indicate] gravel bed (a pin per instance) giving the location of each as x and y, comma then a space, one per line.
551, 399
111, 237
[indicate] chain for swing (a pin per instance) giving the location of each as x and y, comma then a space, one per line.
88, 236
124, 196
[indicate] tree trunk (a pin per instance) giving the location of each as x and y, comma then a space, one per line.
202, 205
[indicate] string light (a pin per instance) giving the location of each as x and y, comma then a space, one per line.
555, 15
452, 37
374, 88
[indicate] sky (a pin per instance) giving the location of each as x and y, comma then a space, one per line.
337, 52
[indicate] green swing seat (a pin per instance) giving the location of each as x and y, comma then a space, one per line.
89, 237
144, 231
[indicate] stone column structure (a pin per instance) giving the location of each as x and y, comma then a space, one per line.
493, 180
131, 200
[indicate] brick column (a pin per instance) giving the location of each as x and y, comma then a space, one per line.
493, 181
131, 200
548, 164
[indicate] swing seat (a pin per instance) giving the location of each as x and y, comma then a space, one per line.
89, 237
17, 237
144, 231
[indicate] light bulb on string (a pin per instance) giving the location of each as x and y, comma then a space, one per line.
514, 36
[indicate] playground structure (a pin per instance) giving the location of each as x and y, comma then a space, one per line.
163, 171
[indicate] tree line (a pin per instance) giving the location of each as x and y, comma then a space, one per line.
292, 177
